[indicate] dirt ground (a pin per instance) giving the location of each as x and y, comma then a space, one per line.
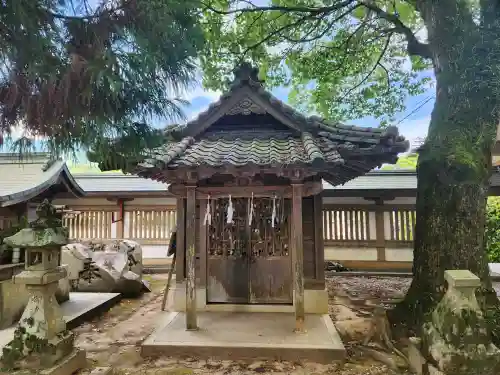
114, 339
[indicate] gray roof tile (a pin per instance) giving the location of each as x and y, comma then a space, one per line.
24, 179
117, 182
379, 181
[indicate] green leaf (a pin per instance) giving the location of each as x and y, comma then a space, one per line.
359, 13
340, 64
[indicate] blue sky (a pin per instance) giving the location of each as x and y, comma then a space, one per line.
414, 124
414, 121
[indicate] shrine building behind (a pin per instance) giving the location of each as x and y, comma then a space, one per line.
267, 161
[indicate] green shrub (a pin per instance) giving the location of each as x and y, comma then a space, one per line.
493, 229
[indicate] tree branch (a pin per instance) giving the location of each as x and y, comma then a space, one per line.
377, 64
327, 28
98, 13
275, 33
414, 47
281, 8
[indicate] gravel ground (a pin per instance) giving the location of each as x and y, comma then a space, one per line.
370, 287
375, 287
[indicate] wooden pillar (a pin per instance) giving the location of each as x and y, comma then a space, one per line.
380, 230
181, 238
191, 323
297, 247
319, 244
202, 277
120, 223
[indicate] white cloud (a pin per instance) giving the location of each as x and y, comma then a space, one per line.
199, 91
194, 114
415, 130
17, 132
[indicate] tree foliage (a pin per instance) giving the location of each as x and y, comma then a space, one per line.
493, 229
342, 59
404, 162
76, 71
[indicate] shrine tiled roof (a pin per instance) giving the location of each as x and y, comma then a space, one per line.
240, 148
249, 128
338, 152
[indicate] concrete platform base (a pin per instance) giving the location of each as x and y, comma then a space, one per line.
81, 306
69, 365
225, 335
315, 302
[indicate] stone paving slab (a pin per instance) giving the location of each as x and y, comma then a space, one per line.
80, 306
246, 335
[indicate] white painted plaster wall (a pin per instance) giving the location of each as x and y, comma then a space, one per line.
152, 202
361, 254
402, 200
399, 255
155, 251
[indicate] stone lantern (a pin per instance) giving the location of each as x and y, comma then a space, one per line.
41, 341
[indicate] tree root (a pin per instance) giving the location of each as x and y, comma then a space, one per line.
380, 333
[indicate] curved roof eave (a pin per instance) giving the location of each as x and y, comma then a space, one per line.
61, 174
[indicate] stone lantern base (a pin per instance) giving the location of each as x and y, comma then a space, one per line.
75, 361
41, 343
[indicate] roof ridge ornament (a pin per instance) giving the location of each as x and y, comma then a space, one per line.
246, 73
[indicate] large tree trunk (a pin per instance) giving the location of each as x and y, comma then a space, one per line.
455, 163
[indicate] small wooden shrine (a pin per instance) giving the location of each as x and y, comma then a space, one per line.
248, 176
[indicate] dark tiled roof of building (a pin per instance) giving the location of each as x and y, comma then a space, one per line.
117, 183
24, 179
376, 180
239, 148
337, 152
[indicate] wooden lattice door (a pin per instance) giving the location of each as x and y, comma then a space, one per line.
249, 262
227, 258
270, 259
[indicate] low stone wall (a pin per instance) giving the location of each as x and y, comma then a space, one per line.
13, 297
